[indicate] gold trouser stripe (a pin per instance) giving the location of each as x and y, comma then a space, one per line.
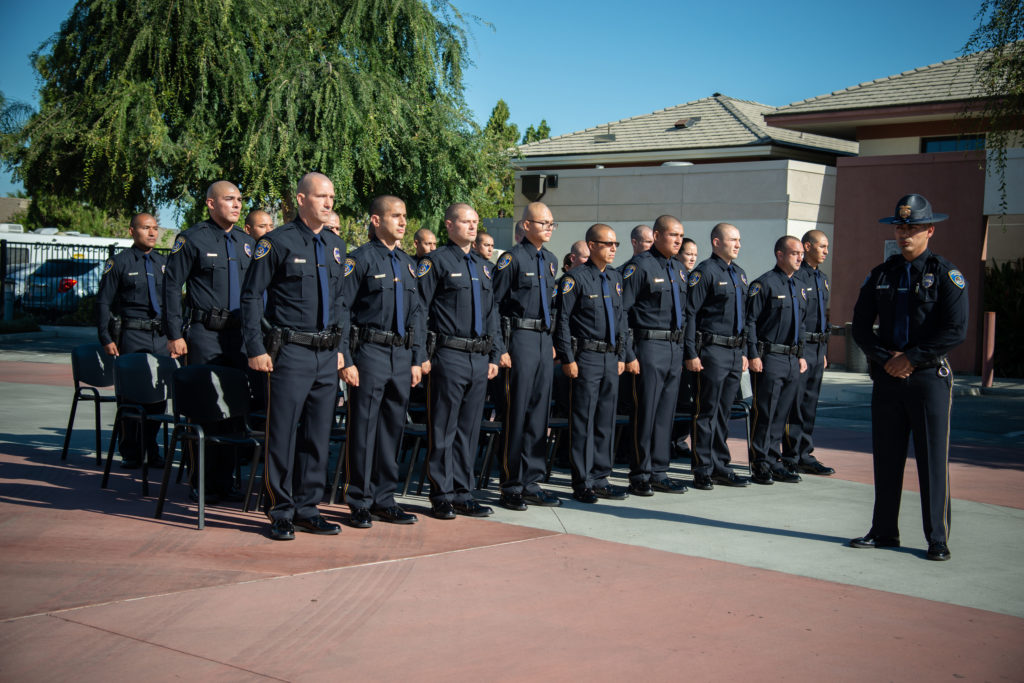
949, 411
636, 420
693, 421
508, 412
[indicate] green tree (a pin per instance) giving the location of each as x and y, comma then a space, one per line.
500, 137
145, 102
541, 132
1001, 79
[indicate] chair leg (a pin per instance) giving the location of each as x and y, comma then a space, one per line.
337, 474
110, 452
252, 476
484, 480
408, 472
168, 464
71, 422
423, 468
99, 447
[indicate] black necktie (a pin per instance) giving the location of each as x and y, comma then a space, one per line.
608, 306
396, 268
154, 300
234, 301
796, 311
321, 277
739, 299
543, 289
901, 312
820, 282
478, 319
675, 295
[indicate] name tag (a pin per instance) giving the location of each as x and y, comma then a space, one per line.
722, 284
299, 260
379, 276
213, 255
881, 286
592, 296
135, 273
659, 279
454, 274
780, 296
530, 274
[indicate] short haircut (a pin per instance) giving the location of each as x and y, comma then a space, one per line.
136, 217
480, 235
663, 222
214, 189
250, 219
421, 233
718, 232
687, 240
452, 212
636, 234
780, 244
594, 230
306, 182
813, 236
381, 203
578, 246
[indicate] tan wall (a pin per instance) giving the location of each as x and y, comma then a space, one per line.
886, 146
868, 188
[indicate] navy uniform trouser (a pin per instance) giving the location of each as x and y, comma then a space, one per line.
141, 341
797, 443
655, 394
717, 386
376, 422
526, 402
593, 395
775, 391
457, 386
301, 396
917, 407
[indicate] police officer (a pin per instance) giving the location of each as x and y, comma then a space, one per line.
919, 300
591, 340
387, 350
258, 223
299, 266
775, 323
716, 292
797, 444
688, 257
425, 242
523, 285
128, 307
458, 294
653, 294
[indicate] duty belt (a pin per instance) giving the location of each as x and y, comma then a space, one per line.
369, 335
722, 340
596, 345
931, 363
467, 344
663, 335
319, 341
817, 337
217, 319
148, 324
794, 350
529, 324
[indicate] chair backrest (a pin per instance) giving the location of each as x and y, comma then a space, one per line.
210, 393
143, 377
92, 365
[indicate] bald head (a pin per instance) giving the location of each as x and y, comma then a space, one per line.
641, 237
725, 241
258, 223
425, 240
224, 202
219, 188
315, 196
309, 181
538, 223
815, 247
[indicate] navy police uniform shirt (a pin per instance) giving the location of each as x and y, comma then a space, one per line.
937, 309
711, 301
648, 291
446, 286
817, 311
284, 265
582, 313
770, 311
517, 282
124, 288
369, 287
199, 260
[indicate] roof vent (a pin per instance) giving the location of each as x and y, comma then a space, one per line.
604, 137
687, 123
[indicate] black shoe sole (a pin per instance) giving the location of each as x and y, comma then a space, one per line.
318, 532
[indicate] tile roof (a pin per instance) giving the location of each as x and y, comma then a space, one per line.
949, 81
723, 122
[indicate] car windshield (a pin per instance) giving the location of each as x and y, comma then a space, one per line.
65, 268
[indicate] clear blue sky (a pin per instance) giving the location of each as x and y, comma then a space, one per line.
579, 64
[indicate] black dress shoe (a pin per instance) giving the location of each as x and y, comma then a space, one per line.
585, 495
132, 464
156, 462
610, 492
317, 525
682, 452
360, 518
815, 468
871, 541
393, 515
542, 498
938, 552
667, 485
703, 482
512, 501
471, 508
730, 478
282, 530
761, 473
640, 488
442, 510
786, 476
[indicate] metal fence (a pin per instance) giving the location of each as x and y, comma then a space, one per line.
51, 281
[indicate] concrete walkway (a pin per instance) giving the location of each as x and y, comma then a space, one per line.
729, 584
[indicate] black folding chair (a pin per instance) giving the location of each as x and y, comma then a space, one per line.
140, 379
92, 369
206, 395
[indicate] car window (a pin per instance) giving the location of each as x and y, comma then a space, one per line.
65, 268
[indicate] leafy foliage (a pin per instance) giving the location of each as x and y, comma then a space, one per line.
541, 132
1004, 294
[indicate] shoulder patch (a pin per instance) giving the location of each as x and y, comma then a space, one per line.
424, 267
262, 249
487, 271
694, 278
179, 242
108, 265
567, 284
958, 278
551, 267
247, 248
350, 264
803, 293
682, 276
827, 288
337, 255
927, 280
743, 277
412, 271
163, 268
503, 262
755, 289
628, 272
618, 288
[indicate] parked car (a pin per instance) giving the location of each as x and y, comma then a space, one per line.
18, 275
60, 283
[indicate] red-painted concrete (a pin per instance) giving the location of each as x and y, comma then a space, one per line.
51, 374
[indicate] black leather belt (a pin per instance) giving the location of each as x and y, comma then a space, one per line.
148, 324
596, 345
320, 341
467, 344
817, 337
662, 335
722, 340
932, 363
217, 319
794, 350
369, 335
529, 324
